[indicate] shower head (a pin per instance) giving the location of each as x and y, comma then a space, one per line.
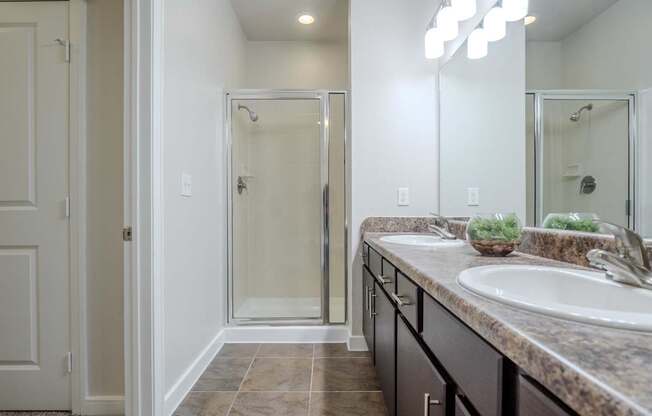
252, 114
576, 115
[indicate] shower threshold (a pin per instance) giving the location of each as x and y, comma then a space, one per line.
288, 308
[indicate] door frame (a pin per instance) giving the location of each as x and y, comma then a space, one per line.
143, 204
82, 401
143, 208
633, 169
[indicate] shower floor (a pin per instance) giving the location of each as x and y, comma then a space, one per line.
291, 308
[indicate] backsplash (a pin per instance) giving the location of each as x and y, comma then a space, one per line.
566, 246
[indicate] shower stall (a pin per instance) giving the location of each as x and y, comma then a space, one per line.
286, 200
581, 155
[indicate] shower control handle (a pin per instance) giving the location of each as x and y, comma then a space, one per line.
241, 184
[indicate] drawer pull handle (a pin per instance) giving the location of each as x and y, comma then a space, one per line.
401, 300
384, 280
427, 403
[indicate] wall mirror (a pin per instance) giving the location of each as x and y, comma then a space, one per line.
556, 119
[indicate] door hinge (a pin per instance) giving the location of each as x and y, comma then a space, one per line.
66, 45
67, 207
127, 234
69, 362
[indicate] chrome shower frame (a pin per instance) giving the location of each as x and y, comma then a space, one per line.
631, 97
324, 104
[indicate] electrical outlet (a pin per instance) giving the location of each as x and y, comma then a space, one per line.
473, 197
186, 184
403, 197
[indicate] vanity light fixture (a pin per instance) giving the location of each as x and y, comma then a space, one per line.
447, 23
477, 44
464, 9
434, 44
529, 20
306, 19
495, 25
515, 9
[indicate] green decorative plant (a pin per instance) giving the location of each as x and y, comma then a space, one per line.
572, 224
498, 228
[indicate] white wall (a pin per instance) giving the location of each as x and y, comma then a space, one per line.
297, 65
482, 129
543, 66
394, 119
610, 52
203, 54
104, 305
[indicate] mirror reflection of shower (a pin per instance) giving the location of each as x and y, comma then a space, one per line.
252, 114
578, 114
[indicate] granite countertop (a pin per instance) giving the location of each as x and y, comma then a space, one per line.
594, 370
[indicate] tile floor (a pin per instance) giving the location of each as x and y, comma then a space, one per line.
287, 380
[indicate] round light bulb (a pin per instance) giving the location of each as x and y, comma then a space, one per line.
434, 44
447, 23
464, 9
515, 9
306, 19
494, 24
477, 44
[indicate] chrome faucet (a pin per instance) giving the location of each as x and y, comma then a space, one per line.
441, 228
630, 265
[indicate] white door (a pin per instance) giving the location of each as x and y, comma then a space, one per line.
34, 264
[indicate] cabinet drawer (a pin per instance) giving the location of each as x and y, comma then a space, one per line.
474, 365
375, 263
388, 277
534, 401
407, 299
420, 388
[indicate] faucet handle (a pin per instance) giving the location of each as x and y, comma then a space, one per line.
628, 243
440, 218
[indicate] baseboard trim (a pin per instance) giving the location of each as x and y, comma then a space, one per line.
356, 343
184, 383
103, 405
286, 334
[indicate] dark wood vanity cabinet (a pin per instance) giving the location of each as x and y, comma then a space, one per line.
535, 401
368, 313
420, 388
385, 347
425, 354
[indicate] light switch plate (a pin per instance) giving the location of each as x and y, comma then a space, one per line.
186, 184
403, 197
473, 197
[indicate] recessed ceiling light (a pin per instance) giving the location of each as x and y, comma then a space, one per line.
529, 20
306, 19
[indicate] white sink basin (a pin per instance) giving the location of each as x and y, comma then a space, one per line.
421, 240
575, 295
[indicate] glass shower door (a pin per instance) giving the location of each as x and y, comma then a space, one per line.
277, 209
585, 157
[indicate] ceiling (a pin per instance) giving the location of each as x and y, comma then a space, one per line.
276, 20
556, 19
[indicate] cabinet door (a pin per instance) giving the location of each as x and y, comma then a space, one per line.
385, 348
420, 389
368, 311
